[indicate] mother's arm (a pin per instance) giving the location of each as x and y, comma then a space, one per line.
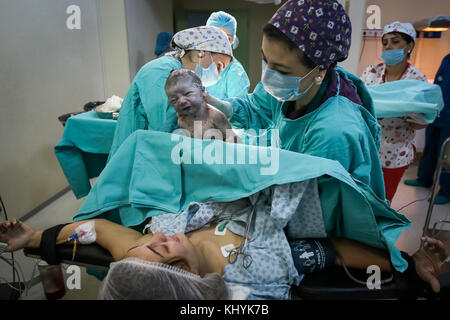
116, 238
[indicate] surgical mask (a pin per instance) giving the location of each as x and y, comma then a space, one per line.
282, 87
210, 75
235, 43
393, 57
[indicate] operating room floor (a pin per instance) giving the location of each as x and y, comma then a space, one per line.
63, 210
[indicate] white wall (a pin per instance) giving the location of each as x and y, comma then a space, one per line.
356, 10
145, 19
114, 47
47, 70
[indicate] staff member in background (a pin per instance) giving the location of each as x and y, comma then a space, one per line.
145, 105
233, 80
436, 133
163, 43
397, 134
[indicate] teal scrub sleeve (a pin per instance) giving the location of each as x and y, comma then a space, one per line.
222, 105
255, 111
152, 93
238, 83
233, 82
145, 105
171, 124
132, 117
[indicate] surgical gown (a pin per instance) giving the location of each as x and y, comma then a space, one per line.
337, 129
233, 82
145, 105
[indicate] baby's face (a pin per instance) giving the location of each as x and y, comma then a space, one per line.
185, 97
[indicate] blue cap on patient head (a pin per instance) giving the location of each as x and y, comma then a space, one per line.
162, 42
223, 19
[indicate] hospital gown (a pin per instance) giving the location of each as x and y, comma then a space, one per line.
233, 82
145, 105
272, 272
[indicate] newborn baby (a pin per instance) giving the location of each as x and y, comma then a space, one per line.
187, 96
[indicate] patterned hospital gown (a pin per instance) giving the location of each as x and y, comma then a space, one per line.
397, 135
295, 206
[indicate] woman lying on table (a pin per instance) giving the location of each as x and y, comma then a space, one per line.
226, 250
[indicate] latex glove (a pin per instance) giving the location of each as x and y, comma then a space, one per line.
222, 105
416, 120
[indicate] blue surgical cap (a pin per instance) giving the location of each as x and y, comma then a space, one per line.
162, 42
223, 19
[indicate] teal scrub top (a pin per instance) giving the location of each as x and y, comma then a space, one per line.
338, 129
145, 105
233, 82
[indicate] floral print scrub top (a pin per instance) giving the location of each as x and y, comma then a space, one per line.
397, 135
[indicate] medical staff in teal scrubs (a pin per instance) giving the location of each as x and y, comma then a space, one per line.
233, 80
145, 105
318, 108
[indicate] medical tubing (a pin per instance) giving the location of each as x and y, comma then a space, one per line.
18, 276
420, 200
12, 254
20, 270
384, 281
9, 285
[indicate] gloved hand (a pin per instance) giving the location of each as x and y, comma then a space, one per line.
222, 105
416, 120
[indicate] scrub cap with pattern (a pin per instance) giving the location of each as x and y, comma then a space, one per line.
206, 38
397, 26
320, 28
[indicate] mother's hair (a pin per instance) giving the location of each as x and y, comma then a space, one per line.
135, 279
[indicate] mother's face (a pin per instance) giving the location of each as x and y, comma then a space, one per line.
176, 250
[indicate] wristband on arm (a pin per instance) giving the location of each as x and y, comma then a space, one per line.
48, 244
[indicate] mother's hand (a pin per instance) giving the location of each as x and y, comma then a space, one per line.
16, 234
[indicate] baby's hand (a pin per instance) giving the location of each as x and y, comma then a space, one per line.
16, 234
